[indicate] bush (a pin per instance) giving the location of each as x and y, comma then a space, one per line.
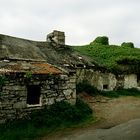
127, 44
62, 112
91, 90
110, 94
101, 40
57, 116
121, 92
3, 79
86, 87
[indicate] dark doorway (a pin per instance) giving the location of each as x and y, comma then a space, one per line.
33, 94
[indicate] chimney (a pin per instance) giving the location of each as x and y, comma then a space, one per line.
56, 38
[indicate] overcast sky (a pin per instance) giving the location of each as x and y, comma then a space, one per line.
81, 20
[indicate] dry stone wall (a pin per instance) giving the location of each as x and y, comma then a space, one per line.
53, 88
106, 81
130, 81
102, 81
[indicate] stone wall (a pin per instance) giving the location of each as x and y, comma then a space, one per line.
102, 81
130, 81
54, 88
106, 81
138, 80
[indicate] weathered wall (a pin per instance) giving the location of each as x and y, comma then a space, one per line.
97, 79
106, 81
130, 81
138, 80
13, 95
139, 83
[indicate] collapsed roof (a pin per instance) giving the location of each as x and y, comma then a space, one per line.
17, 49
34, 68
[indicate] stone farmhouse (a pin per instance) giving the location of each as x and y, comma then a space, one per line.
34, 74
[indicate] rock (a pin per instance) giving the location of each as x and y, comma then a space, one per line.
20, 105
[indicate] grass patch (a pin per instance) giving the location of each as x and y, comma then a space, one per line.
121, 92
57, 117
110, 56
91, 90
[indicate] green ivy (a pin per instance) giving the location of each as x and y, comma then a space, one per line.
28, 75
2, 80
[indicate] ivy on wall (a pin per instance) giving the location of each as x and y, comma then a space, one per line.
3, 79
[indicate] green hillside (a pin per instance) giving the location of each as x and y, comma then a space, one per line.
112, 57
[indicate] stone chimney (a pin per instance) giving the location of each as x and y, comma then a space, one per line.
56, 38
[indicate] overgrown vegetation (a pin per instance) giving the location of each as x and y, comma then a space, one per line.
121, 92
86, 87
58, 116
109, 56
127, 44
102, 40
91, 90
28, 75
3, 79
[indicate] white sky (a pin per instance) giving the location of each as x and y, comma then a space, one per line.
81, 20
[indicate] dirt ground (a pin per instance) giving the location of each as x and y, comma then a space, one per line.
110, 112
114, 111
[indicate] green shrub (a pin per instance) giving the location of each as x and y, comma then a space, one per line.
61, 112
86, 87
91, 90
57, 116
101, 40
129, 92
28, 75
110, 94
121, 92
3, 79
127, 44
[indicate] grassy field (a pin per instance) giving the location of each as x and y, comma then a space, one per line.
112, 57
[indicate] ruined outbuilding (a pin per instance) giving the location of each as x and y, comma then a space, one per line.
107, 81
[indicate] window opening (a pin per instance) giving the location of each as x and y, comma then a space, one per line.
33, 94
105, 86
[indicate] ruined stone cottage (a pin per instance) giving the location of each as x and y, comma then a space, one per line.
107, 81
34, 74
29, 78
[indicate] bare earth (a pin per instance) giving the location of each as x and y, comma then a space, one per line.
111, 112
